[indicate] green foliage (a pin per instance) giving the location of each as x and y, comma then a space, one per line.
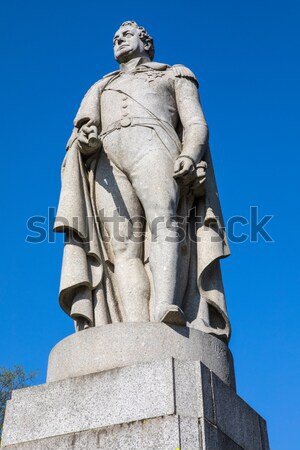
10, 379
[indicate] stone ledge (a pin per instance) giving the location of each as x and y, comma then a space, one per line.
162, 433
92, 401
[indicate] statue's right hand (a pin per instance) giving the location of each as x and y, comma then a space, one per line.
88, 139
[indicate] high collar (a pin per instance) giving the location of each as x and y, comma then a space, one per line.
150, 64
133, 63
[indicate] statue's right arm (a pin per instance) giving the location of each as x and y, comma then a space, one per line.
87, 122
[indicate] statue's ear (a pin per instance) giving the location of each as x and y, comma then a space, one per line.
147, 46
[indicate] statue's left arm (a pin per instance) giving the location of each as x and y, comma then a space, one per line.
195, 130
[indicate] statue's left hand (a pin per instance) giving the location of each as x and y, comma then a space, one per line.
184, 169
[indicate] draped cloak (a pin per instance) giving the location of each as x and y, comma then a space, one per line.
88, 287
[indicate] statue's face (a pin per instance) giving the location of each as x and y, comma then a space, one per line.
128, 45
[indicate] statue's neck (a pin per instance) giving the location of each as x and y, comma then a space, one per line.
133, 63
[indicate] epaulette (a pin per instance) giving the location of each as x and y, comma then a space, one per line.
100, 83
93, 87
181, 71
111, 74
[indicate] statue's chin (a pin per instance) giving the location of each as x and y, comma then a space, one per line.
123, 56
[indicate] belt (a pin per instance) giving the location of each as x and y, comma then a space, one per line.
134, 121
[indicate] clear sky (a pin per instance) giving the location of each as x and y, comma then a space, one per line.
246, 57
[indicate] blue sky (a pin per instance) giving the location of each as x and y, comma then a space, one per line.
246, 57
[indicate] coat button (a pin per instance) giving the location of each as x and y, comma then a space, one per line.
125, 122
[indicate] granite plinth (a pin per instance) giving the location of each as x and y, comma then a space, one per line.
163, 405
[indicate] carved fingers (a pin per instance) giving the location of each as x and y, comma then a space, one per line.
88, 138
184, 169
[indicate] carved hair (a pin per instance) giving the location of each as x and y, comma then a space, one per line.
145, 37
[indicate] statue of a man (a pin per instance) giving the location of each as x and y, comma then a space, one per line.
139, 203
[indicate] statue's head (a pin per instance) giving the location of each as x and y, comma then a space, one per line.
132, 41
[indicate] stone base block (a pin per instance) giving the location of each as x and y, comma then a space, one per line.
163, 405
162, 433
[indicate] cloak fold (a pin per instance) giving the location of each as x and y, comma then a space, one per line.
208, 311
85, 288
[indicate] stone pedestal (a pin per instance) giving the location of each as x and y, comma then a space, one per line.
124, 344
166, 402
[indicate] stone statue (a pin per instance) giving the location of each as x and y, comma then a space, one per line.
140, 277
139, 204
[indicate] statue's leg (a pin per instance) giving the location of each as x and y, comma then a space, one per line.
159, 194
117, 205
